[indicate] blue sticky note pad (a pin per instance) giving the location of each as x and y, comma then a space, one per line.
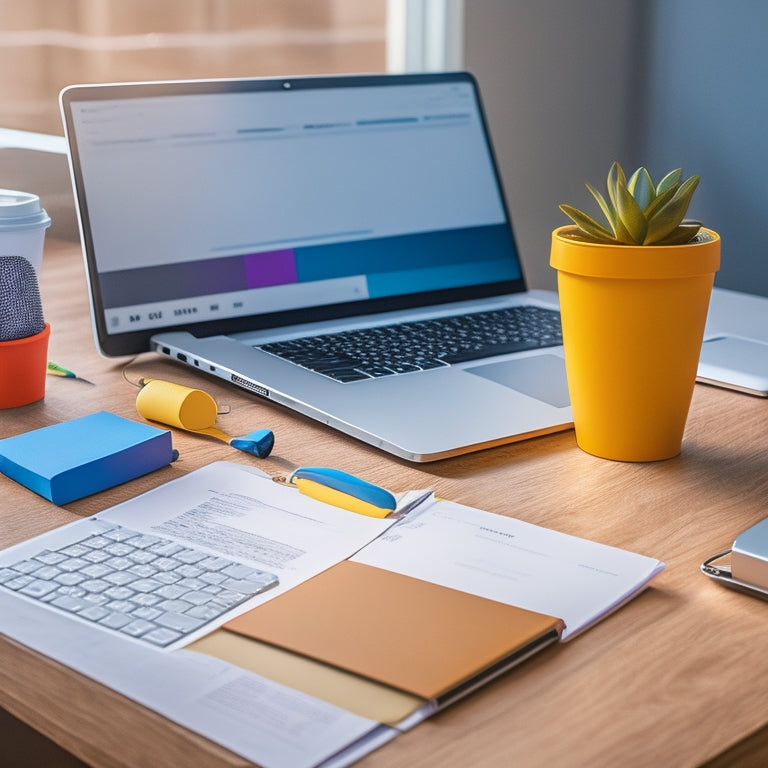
67, 461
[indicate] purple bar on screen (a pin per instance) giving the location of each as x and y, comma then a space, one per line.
270, 268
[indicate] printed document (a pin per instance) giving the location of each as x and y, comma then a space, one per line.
508, 560
239, 512
269, 724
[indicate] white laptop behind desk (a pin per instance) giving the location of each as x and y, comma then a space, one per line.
218, 215
735, 349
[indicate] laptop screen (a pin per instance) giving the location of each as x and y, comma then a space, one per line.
219, 206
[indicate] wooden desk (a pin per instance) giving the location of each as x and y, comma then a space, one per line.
675, 678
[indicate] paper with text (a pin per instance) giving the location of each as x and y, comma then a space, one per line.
239, 512
508, 560
267, 723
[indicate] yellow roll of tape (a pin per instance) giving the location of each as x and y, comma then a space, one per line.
176, 405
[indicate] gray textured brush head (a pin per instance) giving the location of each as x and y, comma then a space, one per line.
21, 310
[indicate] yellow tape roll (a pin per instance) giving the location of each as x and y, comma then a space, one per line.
176, 405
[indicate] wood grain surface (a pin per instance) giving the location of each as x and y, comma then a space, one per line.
676, 677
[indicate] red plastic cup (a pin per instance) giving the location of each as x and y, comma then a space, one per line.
23, 369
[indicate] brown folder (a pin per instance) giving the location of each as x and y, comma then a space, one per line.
419, 637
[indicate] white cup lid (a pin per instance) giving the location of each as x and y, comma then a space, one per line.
21, 210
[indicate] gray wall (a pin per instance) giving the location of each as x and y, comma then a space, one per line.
557, 85
707, 111
571, 85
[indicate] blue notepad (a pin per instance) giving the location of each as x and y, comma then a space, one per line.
67, 461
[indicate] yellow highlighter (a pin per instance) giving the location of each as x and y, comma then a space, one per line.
342, 490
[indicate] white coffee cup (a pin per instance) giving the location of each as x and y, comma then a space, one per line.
22, 226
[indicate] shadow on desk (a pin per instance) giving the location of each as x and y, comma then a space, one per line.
23, 747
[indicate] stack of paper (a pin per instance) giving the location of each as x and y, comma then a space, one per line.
375, 625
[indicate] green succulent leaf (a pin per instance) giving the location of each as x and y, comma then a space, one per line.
605, 205
670, 181
587, 224
641, 187
659, 202
683, 234
631, 215
617, 182
637, 211
668, 217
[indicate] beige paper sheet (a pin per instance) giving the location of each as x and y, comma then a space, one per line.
351, 692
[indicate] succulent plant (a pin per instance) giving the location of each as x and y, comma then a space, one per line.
639, 212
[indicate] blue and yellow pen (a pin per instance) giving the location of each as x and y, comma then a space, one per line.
58, 370
342, 490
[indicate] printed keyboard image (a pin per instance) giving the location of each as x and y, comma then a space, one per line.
143, 586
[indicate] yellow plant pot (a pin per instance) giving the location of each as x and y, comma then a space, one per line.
633, 323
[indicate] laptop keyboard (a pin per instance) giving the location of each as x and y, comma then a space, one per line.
407, 347
139, 585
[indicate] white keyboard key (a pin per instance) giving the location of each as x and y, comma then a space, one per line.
94, 613
69, 603
146, 612
119, 534
47, 572
119, 550
239, 571
198, 598
97, 556
171, 591
137, 628
95, 585
166, 548
161, 636
7, 574
69, 579
146, 585
174, 606
50, 558
27, 566
38, 588
94, 599
19, 582
115, 620
179, 622
213, 578
97, 542
96, 570
190, 556
204, 612
244, 587
142, 557
121, 578
74, 550
145, 598
142, 571
73, 592
120, 606
142, 541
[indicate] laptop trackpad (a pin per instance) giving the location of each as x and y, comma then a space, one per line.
541, 377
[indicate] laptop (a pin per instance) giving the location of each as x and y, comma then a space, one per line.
221, 220
735, 349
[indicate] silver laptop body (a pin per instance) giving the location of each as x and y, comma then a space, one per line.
217, 216
735, 349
